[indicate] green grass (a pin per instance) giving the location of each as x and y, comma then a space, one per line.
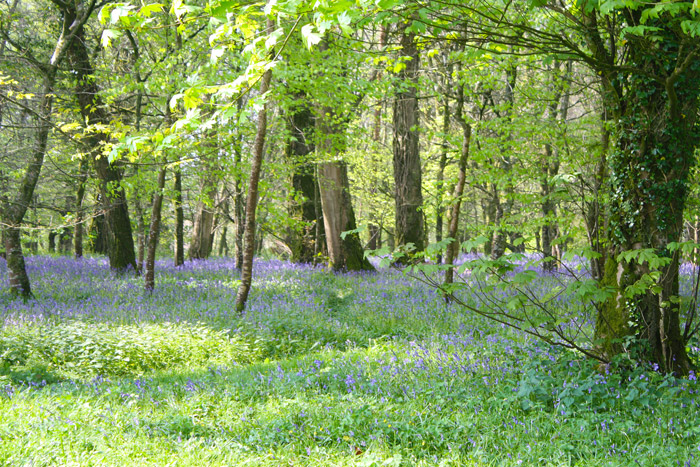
323, 370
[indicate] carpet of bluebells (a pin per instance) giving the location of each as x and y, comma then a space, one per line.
371, 369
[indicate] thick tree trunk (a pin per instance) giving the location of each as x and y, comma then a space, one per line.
655, 138
120, 241
252, 201
410, 227
304, 203
203, 229
52, 241
16, 268
345, 251
179, 219
202, 241
154, 232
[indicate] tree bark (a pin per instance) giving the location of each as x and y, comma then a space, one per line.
345, 251
154, 232
410, 227
13, 210
79, 217
453, 248
202, 241
140, 232
299, 149
120, 241
252, 201
179, 219
655, 138
439, 209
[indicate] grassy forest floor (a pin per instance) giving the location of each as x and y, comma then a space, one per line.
324, 369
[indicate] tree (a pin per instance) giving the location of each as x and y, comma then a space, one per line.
410, 226
120, 240
14, 210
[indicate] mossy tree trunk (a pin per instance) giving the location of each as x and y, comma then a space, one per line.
305, 203
655, 138
120, 243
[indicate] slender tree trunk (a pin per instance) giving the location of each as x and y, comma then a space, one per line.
140, 232
410, 227
439, 209
154, 232
79, 217
252, 201
558, 112
14, 210
503, 208
453, 248
179, 219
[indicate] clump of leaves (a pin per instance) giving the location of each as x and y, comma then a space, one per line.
78, 349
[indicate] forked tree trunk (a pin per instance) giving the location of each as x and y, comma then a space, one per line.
154, 232
407, 166
252, 201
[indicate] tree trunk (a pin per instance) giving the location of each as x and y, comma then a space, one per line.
120, 240
345, 251
179, 219
439, 209
140, 232
154, 232
655, 137
98, 234
558, 111
453, 248
13, 211
202, 240
503, 208
252, 201
52, 241
79, 218
407, 166
299, 149
203, 229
